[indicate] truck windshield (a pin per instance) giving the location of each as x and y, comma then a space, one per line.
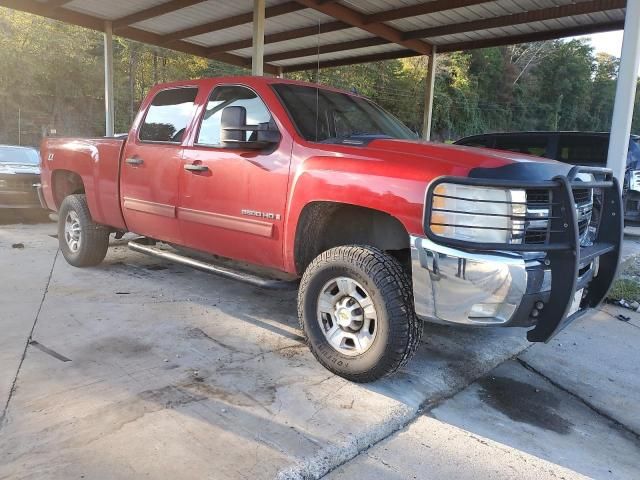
333, 117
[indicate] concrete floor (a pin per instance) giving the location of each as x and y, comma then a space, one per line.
143, 368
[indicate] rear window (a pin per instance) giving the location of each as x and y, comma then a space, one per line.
531, 145
475, 142
168, 115
22, 156
583, 149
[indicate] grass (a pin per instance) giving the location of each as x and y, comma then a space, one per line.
625, 288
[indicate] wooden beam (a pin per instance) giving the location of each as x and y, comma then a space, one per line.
462, 46
334, 47
421, 9
393, 14
357, 19
374, 57
57, 3
93, 23
533, 37
282, 36
540, 15
229, 22
152, 12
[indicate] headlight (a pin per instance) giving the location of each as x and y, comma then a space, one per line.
478, 214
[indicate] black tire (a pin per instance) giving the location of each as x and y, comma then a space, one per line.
93, 238
389, 288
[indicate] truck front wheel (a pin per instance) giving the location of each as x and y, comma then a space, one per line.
83, 243
355, 306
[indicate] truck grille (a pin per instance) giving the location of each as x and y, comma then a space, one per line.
540, 203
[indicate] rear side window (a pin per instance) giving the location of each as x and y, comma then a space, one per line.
583, 149
168, 115
531, 145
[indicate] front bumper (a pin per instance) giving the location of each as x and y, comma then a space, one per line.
545, 288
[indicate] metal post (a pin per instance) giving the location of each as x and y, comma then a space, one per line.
108, 81
19, 126
428, 96
625, 91
257, 55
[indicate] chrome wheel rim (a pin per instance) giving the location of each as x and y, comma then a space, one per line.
72, 231
347, 316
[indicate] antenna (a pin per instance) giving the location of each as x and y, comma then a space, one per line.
317, 78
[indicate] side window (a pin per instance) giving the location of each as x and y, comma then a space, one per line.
583, 149
168, 115
231, 96
531, 145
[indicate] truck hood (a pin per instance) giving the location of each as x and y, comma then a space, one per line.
468, 161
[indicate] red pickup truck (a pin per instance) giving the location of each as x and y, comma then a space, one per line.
310, 182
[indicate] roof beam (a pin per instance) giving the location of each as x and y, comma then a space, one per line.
334, 47
421, 9
388, 15
470, 45
94, 23
152, 12
540, 15
533, 37
359, 20
229, 22
282, 36
464, 27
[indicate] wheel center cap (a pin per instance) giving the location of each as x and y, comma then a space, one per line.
344, 317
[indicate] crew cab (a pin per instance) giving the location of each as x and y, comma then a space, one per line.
319, 186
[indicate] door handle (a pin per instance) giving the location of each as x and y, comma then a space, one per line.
196, 168
134, 161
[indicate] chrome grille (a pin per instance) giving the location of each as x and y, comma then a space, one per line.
539, 206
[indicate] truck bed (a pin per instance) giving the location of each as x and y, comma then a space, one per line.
97, 162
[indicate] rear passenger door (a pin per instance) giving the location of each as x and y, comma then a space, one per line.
152, 162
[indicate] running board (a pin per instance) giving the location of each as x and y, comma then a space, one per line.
249, 278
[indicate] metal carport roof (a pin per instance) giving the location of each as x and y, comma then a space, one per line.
299, 33
279, 36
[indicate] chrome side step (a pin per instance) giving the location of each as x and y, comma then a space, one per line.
272, 284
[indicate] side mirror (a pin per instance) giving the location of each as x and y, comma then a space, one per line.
233, 123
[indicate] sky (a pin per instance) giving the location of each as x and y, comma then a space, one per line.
608, 42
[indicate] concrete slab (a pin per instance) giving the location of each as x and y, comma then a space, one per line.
172, 372
25, 272
597, 359
510, 424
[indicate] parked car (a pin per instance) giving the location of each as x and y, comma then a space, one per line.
318, 184
19, 177
576, 148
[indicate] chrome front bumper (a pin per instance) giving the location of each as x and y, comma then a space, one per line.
473, 288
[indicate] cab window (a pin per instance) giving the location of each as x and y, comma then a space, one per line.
583, 149
531, 145
231, 96
168, 115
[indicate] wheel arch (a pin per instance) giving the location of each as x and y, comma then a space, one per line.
65, 183
324, 224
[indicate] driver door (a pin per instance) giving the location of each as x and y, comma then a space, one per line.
233, 197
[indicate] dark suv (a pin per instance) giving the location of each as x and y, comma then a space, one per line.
577, 148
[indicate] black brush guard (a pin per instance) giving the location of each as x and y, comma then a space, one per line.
565, 256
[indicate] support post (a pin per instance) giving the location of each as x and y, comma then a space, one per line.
257, 54
108, 81
428, 96
625, 91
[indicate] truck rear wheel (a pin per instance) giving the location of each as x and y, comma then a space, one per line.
83, 243
355, 306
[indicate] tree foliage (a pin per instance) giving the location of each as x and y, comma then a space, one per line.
51, 78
